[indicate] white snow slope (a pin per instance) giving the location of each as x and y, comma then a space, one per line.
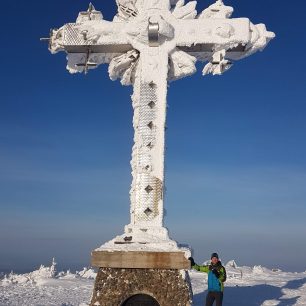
245, 286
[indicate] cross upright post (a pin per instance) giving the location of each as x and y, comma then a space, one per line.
148, 44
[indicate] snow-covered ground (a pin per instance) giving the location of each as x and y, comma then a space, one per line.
246, 286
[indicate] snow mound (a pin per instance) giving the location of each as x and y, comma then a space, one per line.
87, 273
260, 270
45, 274
231, 264
35, 277
47, 287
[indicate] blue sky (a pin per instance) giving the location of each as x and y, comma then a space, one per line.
236, 152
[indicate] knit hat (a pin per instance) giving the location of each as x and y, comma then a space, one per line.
214, 255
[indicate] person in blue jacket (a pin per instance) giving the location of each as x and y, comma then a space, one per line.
216, 278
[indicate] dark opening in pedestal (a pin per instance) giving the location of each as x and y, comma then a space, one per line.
140, 299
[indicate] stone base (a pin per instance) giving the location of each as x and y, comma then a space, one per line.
133, 278
117, 287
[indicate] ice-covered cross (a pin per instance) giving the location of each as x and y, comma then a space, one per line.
148, 44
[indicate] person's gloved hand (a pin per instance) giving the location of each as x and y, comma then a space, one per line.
191, 261
216, 272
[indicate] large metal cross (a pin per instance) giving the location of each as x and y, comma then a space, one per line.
148, 44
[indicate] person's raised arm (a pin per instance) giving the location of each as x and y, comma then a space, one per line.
198, 267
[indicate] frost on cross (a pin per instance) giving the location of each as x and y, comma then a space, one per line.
148, 44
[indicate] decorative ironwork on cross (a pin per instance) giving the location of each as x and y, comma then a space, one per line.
149, 43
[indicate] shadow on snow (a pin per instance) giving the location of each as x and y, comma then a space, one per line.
255, 295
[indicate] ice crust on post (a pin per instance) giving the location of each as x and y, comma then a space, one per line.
147, 45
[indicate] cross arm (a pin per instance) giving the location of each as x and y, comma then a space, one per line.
239, 36
216, 32
89, 44
90, 31
214, 39
100, 37
90, 41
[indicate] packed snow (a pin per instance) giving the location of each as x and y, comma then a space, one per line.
245, 286
146, 243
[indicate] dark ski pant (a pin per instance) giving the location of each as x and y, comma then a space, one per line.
214, 296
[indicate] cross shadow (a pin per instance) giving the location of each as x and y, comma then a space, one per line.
254, 295
295, 284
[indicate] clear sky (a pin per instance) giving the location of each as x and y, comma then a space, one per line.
235, 160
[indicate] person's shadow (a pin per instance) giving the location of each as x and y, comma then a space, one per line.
254, 295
